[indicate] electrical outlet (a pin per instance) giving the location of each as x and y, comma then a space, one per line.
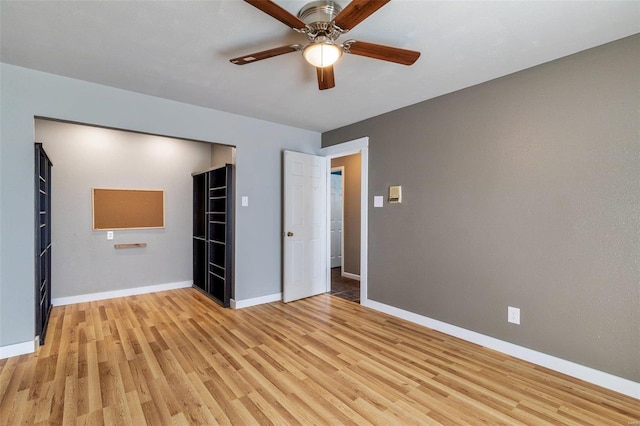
513, 315
109, 235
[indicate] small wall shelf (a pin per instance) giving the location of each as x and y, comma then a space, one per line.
132, 245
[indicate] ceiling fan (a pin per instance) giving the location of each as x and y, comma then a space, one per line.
323, 22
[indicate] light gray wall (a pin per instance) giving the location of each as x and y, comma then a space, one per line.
26, 93
523, 191
351, 205
83, 260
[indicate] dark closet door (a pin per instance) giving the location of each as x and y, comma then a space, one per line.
42, 240
199, 232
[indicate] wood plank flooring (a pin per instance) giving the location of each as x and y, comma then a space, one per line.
178, 358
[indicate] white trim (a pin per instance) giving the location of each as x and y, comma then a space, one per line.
345, 148
588, 374
364, 223
350, 275
356, 146
239, 304
17, 349
59, 301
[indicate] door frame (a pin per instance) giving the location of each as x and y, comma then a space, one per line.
341, 169
357, 146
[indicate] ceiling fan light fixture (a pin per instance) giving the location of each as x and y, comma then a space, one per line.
323, 22
322, 54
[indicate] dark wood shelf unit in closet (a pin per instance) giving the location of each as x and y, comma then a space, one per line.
213, 233
42, 192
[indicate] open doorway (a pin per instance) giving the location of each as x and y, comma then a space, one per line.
344, 230
85, 262
357, 146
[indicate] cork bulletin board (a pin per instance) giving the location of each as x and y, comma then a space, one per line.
127, 208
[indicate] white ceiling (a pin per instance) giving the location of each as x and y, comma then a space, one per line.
180, 50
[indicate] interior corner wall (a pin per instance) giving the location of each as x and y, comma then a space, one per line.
222, 154
351, 206
27, 94
85, 157
523, 191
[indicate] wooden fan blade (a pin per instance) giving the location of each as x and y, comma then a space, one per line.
326, 78
275, 11
265, 54
385, 53
356, 12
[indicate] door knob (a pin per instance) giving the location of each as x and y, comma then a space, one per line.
289, 234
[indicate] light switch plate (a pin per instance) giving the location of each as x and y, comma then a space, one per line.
245, 201
378, 200
513, 315
395, 194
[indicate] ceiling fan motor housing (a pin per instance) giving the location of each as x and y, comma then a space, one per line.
318, 16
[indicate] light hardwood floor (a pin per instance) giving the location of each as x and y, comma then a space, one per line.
177, 358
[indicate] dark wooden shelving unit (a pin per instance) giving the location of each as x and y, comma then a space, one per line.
42, 194
212, 233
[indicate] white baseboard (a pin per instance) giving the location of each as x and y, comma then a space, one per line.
350, 275
59, 301
239, 304
16, 349
588, 374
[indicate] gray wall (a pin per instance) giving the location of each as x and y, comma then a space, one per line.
27, 93
523, 191
83, 260
351, 205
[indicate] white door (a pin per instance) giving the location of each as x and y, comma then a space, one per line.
336, 216
305, 225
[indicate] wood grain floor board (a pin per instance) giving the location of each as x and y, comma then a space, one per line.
273, 411
208, 400
333, 396
279, 405
176, 357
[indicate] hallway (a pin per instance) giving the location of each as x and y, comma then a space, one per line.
345, 288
